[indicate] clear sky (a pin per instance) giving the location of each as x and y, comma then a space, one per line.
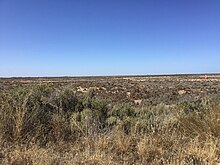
109, 37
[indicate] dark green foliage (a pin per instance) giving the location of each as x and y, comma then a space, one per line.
88, 98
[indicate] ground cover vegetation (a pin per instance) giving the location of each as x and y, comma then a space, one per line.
43, 124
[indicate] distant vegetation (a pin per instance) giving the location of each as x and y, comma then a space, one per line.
41, 124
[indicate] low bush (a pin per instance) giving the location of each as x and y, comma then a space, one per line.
45, 125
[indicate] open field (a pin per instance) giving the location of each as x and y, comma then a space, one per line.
154, 89
172, 119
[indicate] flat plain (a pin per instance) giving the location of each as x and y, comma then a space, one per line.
167, 119
150, 89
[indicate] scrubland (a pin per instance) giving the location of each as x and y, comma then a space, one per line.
45, 125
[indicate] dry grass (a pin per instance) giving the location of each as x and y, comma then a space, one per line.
47, 126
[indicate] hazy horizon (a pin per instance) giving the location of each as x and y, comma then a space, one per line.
114, 37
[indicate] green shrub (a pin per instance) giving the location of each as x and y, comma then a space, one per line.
203, 123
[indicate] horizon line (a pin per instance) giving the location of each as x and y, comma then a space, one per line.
117, 75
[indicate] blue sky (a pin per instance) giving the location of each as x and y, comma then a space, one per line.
109, 37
